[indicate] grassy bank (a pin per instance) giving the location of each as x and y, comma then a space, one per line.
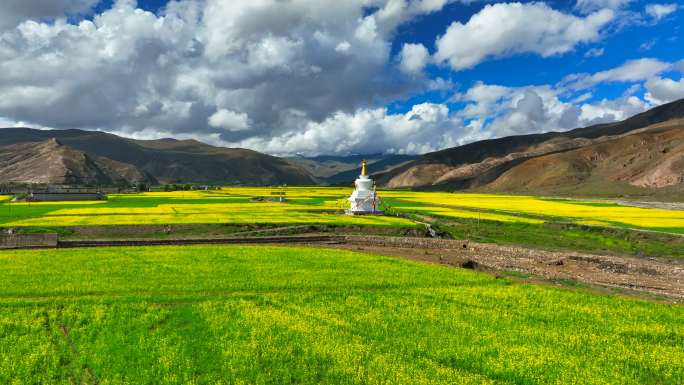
562, 236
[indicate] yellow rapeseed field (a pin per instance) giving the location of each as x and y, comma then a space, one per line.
227, 218
230, 206
48, 204
578, 212
324, 205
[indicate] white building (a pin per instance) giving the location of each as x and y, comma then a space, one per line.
364, 199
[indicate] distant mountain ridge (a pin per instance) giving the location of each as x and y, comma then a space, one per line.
651, 158
51, 162
549, 162
338, 170
89, 157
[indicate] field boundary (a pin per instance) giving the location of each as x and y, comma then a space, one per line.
403, 242
28, 241
383, 241
204, 241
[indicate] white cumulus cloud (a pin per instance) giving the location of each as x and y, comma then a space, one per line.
501, 111
414, 58
200, 68
426, 127
630, 71
14, 12
509, 28
229, 120
659, 11
664, 90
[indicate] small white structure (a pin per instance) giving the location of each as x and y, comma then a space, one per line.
364, 199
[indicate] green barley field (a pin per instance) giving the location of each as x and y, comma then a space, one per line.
283, 315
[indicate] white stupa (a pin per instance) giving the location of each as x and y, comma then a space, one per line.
364, 199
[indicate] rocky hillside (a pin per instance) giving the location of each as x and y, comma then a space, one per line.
52, 162
650, 158
97, 157
639, 153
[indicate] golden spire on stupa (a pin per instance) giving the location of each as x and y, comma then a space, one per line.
364, 168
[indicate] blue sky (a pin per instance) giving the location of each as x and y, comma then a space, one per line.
328, 77
663, 40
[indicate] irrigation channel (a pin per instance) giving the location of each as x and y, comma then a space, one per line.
313, 239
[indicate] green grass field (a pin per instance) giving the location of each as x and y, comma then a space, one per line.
268, 315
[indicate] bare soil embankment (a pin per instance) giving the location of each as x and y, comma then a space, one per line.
643, 276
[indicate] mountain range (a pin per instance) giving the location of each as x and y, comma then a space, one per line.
93, 157
640, 155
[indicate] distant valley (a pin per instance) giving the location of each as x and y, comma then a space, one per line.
341, 170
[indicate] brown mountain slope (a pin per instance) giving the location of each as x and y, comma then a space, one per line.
652, 157
170, 160
52, 162
476, 174
478, 164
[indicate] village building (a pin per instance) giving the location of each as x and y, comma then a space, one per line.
64, 196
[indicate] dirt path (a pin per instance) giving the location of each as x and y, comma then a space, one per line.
627, 202
652, 205
646, 276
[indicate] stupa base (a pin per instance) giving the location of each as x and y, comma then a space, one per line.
360, 212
